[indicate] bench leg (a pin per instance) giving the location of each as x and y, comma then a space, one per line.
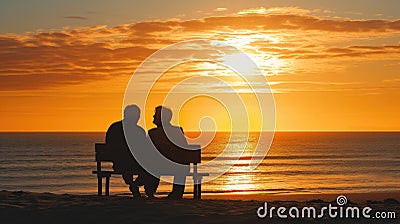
199, 191
107, 186
195, 191
99, 185
197, 187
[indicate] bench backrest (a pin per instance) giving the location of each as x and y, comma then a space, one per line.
104, 153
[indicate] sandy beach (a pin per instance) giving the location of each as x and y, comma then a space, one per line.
27, 207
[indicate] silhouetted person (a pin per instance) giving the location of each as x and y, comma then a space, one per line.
166, 138
123, 160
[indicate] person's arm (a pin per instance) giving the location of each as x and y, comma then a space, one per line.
111, 143
109, 136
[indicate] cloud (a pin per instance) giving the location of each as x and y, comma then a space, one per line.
76, 17
289, 22
276, 11
391, 51
73, 56
220, 9
316, 86
40, 80
396, 80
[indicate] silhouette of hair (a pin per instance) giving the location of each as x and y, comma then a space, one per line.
132, 113
165, 113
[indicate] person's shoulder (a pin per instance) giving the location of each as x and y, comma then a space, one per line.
116, 124
153, 130
141, 129
114, 131
177, 128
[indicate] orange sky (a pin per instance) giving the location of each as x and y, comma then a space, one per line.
326, 73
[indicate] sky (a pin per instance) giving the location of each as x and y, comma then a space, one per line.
331, 65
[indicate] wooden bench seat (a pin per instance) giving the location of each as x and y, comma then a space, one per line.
193, 157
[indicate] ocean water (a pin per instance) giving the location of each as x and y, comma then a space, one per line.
297, 162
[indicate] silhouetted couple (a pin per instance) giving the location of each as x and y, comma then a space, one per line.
162, 140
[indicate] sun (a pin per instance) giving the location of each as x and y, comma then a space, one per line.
252, 44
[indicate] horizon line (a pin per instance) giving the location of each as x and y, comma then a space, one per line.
221, 131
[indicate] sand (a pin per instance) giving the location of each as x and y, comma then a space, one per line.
28, 207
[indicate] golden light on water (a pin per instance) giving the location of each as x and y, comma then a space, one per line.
238, 183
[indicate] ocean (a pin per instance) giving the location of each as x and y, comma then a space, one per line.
297, 162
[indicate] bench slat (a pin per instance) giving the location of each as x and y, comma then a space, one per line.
104, 153
163, 174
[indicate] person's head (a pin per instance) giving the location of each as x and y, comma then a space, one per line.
132, 113
162, 115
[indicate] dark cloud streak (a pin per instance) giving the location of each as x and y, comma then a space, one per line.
76, 17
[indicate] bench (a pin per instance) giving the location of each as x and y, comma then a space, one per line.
102, 155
